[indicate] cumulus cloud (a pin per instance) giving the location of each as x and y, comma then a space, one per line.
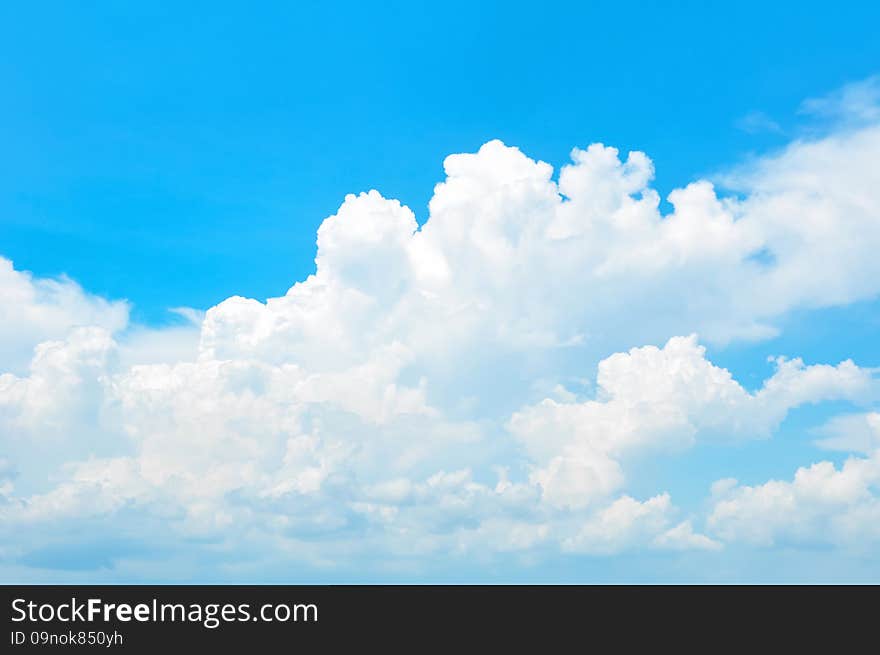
33, 310
422, 392
654, 399
511, 261
301, 456
65, 380
628, 523
823, 503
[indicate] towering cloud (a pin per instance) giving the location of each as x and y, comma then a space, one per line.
430, 389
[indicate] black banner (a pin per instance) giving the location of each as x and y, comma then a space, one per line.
415, 618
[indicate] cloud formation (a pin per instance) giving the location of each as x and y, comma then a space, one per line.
652, 399
476, 385
35, 310
821, 504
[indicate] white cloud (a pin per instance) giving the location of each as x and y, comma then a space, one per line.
379, 396
242, 442
822, 504
857, 103
652, 399
683, 537
65, 384
510, 261
628, 523
858, 433
33, 310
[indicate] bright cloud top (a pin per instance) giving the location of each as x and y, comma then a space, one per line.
423, 393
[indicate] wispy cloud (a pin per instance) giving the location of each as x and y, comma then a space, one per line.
757, 122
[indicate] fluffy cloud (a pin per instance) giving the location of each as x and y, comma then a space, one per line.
33, 310
628, 523
652, 399
821, 504
423, 391
511, 262
297, 456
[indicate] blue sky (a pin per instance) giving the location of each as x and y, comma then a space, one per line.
175, 156
166, 157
